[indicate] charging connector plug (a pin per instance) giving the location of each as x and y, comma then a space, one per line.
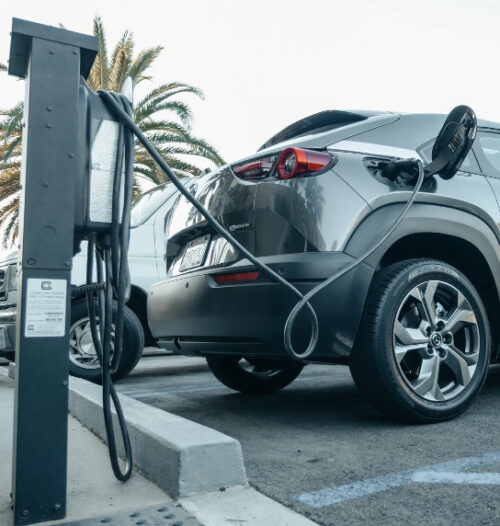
403, 172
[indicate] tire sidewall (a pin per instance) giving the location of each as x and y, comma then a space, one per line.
133, 343
401, 287
228, 371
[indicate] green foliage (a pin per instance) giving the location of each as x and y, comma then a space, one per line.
160, 114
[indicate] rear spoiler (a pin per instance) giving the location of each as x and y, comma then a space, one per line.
322, 121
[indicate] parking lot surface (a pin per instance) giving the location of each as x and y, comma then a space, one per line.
319, 448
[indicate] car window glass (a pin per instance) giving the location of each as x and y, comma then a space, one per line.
469, 164
148, 203
489, 148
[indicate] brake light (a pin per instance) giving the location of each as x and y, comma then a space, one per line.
256, 169
295, 161
238, 276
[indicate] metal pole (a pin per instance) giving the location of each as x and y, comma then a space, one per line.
51, 60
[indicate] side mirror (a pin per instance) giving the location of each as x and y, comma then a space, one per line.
453, 143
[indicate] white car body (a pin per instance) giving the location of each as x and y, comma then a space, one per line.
146, 262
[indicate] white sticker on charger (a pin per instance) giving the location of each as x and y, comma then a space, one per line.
102, 173
45, 308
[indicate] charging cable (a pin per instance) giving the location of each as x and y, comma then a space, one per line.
304, 299
109, 252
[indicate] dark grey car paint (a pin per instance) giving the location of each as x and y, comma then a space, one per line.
341, 212
191, 314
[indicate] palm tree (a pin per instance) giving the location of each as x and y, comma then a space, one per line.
160, 114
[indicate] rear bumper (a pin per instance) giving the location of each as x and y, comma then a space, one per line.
192, 314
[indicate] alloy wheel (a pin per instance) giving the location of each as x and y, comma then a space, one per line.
436, 341
81, 347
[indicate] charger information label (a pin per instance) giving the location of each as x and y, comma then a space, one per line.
45, 308
102, 174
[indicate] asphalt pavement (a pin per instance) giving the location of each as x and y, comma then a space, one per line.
319, 448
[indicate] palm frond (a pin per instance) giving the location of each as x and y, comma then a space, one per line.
120, 62
163, 125
7, 209
173, 88
6, 165
13, 124
100, 66
160, 114
143, 62
13, 112
12, 147
181, 109
10, 232
9, 151
201, 148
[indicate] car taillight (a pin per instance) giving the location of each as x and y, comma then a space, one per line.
295, 161
238, 276
291, 162
254, 170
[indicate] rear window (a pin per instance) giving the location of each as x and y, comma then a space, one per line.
317, 123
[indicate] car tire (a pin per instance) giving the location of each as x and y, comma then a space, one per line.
83, 361
254, 375
423, 349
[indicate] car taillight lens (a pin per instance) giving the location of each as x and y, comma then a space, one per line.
238, 276
254, 170
295, 161
291, 162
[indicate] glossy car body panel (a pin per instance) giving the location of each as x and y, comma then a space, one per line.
305, 204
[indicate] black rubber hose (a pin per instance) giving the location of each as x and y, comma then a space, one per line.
109, 391
111, 251
115, 208
124, 270
120, 243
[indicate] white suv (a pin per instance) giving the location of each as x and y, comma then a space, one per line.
147, 266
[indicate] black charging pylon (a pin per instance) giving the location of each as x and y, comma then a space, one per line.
51, 60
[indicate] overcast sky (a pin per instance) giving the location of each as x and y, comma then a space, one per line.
264, 64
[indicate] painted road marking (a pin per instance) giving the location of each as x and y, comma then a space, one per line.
145, 393
447, 472
456, 477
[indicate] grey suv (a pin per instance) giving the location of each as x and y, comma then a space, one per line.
416, 322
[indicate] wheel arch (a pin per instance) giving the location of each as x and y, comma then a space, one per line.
137, 303
454, 236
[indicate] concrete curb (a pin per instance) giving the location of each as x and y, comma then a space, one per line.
182, 457
242, 506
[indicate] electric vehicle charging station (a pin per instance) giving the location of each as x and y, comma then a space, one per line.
76, 183
51, 60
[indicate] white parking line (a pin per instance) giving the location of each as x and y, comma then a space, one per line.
447, 472
144, 393
454, 477
153, 392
